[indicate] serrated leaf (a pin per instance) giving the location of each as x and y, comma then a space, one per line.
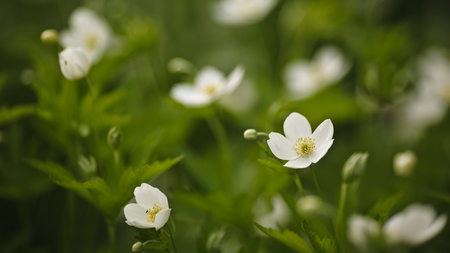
14, 113
323, 245
288, 238
273, 164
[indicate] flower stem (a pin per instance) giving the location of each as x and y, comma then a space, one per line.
91, 86
315, 182
111, 234
298, 183
262, 134
171, 239
341, 208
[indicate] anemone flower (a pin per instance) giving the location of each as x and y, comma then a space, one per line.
299, 146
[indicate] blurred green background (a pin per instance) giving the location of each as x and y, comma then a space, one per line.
215, 190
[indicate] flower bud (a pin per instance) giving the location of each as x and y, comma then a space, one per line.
114, 137
74, 63
89, 166
49, 36
311, 206
404, 163
250, 134
179, 65
354, 167
137, 247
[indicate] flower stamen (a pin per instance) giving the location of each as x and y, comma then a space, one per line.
304, 146
152, 213
211, 89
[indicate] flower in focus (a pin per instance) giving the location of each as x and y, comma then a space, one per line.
299, 146
74, 63
87, 31
241, 12
209, 85
415, 225
305, 78
363, 231
404, 163
152, 208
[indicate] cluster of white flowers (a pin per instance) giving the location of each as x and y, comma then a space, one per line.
414, 226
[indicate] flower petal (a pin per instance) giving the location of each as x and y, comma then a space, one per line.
189, 96
432, 230
323, 133
299, 163
319, 152
208, 75
135, 215
161, 218
281, 147
296, 126
234, 79
147, 196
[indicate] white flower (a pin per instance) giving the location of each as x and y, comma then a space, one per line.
152, 208
209, 85
311, 206
299, 146
87, 31
404, 163
74, 63
415, 225
241, 12
362, 231
304, 78
279, 215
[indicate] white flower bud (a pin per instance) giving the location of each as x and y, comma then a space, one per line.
74, 63
137, 247
354, 167
311, 206
49, 36
404, 163
250, 134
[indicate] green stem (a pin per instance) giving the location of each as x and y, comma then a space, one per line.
299, 184
341, 207
315, 182
262, 134
111, 234
91, 87
171, 239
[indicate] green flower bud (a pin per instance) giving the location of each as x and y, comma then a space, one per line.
250, 134
354, 167
137, 247
114, 137
49, 36
89, 166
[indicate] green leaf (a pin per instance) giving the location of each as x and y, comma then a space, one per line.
251, 247
152, 239
288, 238
383, 207
148, 172
275, 165
14, 113
106, 200
320, 245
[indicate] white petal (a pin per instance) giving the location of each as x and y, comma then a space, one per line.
234, 79
147, 196
189, 96
299, 163
323, 133
432, 230
361, 230
296, 126
392, 229
300, 78
161, 218
281, 147
135, 215
74, 63
208, 75
319, 152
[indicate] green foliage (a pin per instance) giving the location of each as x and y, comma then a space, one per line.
382, 209
323, 245
153, 239
288, 238
275, 165
11, 114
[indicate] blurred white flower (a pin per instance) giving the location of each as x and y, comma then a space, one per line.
241, 12
241, 100
362, 231
415, 225
278, 216
304, 78
89, 166
74, 63
87, 31
299, 146
49, 36
404, 163
152, 208
311, 206
209, 85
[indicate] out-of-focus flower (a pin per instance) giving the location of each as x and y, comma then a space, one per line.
430, 101
89, 166
180, 65
241, 100
311, 206
74, 63
209, 85
241, 12
415, 225
114, 137
304, 78
299, 146
363, 231
279, 215
87, 31
404, 163
49, 36
152, 208
354, 167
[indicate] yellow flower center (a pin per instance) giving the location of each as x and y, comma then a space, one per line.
211, 89
151, 213
304, 146
91, 42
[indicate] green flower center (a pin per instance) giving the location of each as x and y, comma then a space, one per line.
151, 213
304, 146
